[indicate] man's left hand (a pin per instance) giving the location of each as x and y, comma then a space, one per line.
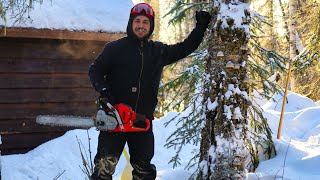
203, 18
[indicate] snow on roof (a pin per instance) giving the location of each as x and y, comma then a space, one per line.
78, 15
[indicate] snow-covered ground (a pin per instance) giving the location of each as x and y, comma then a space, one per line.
298, 149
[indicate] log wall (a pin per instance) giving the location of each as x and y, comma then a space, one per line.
40, 75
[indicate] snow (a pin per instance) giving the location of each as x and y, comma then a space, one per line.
235, 11
212, 105
298, 149
78, 15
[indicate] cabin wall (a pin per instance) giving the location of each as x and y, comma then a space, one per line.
41, 76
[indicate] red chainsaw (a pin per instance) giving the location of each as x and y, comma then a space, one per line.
117, 118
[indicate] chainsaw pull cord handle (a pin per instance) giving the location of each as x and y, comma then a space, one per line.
116, 113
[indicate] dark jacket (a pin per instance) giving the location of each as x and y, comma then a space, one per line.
130, 69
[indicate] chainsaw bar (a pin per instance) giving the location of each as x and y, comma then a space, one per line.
69, 121
118, 118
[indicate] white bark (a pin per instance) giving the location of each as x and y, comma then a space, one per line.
292, 37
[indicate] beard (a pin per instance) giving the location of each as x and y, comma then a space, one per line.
138, 31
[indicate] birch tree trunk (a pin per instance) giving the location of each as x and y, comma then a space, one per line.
222, 151
292, 37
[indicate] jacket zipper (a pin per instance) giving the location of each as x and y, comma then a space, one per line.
139, 82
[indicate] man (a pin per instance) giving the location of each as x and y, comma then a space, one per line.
128, 71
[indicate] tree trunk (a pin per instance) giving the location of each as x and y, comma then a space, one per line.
223, 152
292, 37
272, 33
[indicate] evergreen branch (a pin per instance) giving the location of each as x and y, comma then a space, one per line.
180, 8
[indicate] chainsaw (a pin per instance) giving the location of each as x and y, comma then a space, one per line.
117, 118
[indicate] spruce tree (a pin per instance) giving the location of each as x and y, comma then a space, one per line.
226, 96
221, 79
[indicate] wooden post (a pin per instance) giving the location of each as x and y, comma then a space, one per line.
284, 100
292, 43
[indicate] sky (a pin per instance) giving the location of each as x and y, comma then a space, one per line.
298, 149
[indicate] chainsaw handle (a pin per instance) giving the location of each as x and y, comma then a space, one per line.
138, 129
117, 115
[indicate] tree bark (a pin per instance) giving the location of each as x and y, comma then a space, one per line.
223, 151
292, 38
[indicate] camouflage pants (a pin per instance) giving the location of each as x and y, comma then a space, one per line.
110, 146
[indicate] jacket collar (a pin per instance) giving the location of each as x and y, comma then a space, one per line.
135, 40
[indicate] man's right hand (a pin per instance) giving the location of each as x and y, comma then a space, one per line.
104, 94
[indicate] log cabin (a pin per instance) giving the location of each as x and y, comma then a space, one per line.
44, 70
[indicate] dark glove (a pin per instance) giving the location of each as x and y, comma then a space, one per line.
140, 121
203, 19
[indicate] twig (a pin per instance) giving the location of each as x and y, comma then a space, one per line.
84, 161
58, 176
89, 139
87, 167
275, 176
257, 176
284, 162
285, 157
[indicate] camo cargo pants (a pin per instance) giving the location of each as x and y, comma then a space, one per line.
110, 147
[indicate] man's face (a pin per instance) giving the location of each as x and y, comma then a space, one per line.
141, 26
